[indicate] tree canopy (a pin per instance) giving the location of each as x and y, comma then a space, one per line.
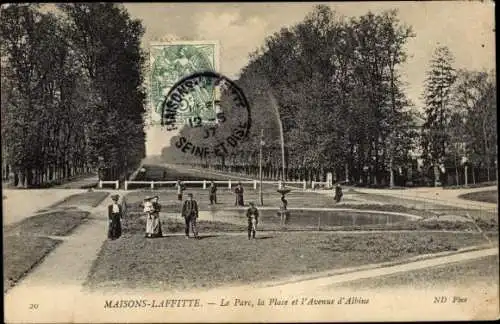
73, 91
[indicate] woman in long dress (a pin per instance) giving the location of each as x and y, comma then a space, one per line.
156, 222
152, 209
115, 216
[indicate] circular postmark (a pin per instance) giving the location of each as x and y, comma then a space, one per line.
210, 112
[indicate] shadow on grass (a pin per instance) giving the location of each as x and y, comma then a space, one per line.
202, 237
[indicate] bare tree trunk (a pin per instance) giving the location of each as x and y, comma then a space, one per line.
20, 182
436, 175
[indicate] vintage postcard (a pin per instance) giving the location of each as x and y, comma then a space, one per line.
249, 162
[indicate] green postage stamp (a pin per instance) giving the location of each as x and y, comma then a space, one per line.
170, 62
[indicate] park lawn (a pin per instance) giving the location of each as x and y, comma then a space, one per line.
21, 254
56, 223
477, 272
428, 207
135, 224
90, 199
489, 196
174, 263
225, 199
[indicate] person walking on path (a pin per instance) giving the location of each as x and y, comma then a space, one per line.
190, 214
239, 195
253, 220
213, 193
115, 216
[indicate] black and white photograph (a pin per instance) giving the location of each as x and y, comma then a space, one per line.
243, 162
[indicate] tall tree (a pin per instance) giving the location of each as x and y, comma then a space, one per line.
71, 91
438, 84
107, 42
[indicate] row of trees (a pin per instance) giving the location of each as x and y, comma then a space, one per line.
337, 90
72, 96
460, 118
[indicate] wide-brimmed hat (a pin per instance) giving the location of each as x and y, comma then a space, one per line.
190, 195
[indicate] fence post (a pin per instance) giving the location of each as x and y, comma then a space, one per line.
100, 184
305, 184
229, 184
152, 184
126, 185
255, 185
312, 185
117, 184
204, 184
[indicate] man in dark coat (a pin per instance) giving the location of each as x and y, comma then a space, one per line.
213, 193
115, 215
239, 195
190, 214
338, 193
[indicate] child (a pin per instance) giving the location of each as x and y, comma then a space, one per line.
253, 220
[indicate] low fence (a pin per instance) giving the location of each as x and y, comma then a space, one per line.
115, 183
228, 183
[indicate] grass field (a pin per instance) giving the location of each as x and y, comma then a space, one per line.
489, 196
483, 271
430, 207
26, 243
173, 262
156, 173
58, 223
21, 254
90, 199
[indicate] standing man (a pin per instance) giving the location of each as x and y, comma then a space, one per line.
190, 214
239, 195
213, 193
115, 216
338, 193
180, 189
253, 220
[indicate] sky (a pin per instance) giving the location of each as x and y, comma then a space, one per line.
467, 28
